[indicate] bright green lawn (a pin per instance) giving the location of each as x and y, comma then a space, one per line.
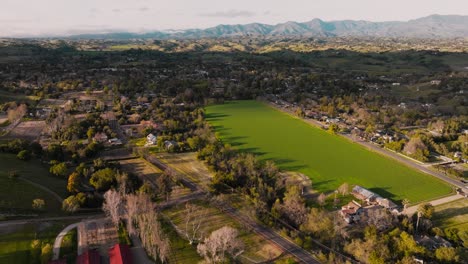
328, 159
452, 214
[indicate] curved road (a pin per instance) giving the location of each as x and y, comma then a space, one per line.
58, 240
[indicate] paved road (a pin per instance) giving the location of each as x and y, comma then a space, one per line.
58, 240
411, 210
58, 218
288, 246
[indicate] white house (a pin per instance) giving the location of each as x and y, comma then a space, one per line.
151, 139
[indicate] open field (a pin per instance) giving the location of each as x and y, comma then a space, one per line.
256, 247
189, 165
327, 159
15, 242
19, 98
141, 168
29, 130
34, 171
452, 214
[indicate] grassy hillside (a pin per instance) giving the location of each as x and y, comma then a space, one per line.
327, 159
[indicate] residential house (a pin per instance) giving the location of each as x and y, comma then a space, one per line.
100, 137
386, 203
120, 254
170, 144
351, 212
151, 139
435, 82
432, 243
364, 194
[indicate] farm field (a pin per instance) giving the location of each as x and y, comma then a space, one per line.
257, 249
327, 159
29, 130
452, 214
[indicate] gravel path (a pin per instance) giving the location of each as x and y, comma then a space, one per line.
412, 209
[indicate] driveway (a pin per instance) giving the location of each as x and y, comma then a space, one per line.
58, 240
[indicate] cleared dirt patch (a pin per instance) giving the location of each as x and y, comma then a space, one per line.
29, 130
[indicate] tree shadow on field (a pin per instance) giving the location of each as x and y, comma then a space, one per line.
451, 212
253, 151
317, 185
287, 164
215, 116
384, 193
236, 141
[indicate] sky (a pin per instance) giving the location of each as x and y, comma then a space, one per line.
69, 17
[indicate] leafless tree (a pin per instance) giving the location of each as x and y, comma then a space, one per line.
113, 206
321, 199
153, 239
194, 216
17, 112
343, 189
220, 243
136, 204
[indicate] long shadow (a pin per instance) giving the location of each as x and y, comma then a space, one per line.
382, 191
451, 212
317, 185
212, 116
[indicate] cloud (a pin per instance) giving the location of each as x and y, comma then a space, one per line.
143, 9
229, 14
116, 10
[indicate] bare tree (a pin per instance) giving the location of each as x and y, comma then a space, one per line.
113, 206
220, 243
194, 215
136, 204
343, 189
155, 242
321, 199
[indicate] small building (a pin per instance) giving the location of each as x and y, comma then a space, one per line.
151, 139
432, 243
386, 203
364, 194
89, 257
435, 82
351, 212
120, 254
115, 142
170, 144
100, 137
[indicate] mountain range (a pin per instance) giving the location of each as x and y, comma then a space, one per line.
434, 26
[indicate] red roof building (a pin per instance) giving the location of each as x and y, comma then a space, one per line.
58, 261
120, 254
89, 257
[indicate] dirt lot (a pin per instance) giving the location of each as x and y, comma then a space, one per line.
188, 164
29, 130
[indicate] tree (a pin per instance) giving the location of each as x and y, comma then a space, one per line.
46, 253
319, 223
23, 155
164, 183
220, 244
426, 210
38, 204
71, 204
59, 169
103, 179
405, 203
153, 239
194, 216
333, 128
113, 206
73, 184
321, 199
417, 149
343, 189
447, 255
294, 206
406, 245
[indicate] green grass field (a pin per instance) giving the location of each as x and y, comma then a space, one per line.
453, 214
16, 195
15, 242
329, 160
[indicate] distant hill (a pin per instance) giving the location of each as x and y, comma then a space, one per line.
434, 26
